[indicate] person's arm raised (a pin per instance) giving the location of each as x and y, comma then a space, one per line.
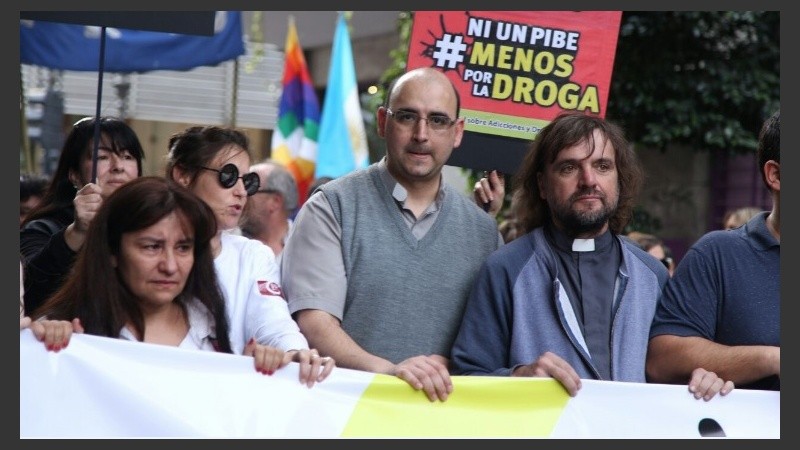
87, 202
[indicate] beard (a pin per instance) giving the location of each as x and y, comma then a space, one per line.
579, 222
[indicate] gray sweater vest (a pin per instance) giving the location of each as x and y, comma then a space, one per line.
406, 297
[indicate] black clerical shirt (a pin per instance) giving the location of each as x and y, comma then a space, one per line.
588, 271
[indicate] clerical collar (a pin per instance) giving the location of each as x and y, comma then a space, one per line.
568, 244
583, 245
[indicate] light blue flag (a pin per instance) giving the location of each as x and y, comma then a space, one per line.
342, 140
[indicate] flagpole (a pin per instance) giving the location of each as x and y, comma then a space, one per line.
26, 143
99, 102
235, 94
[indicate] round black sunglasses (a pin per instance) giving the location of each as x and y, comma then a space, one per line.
228, 175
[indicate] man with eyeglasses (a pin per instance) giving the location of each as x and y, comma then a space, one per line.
268, 214
380, 261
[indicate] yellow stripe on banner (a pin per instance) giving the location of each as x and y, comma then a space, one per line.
478, 407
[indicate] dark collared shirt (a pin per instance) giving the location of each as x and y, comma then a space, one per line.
589, 278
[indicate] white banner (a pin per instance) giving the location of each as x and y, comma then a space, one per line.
109, 388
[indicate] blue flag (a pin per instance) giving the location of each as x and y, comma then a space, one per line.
342, 140
76, 47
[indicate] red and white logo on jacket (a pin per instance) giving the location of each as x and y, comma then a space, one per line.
270, 288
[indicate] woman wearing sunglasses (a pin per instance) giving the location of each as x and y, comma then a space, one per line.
213, 162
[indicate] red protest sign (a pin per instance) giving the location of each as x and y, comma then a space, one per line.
516, 70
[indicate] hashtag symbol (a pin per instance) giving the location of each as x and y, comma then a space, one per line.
449, 51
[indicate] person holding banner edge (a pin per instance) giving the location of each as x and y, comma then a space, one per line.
570, 299
379, 262
213, 162
151, 244
721, 310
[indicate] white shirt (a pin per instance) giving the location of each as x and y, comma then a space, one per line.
248, 277
201, 328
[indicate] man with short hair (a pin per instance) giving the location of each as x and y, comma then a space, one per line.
268, 215
721, 309
380, 261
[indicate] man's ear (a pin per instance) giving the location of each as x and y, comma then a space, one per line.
280, 201
772, 173
459, 129
381, 115
114, 262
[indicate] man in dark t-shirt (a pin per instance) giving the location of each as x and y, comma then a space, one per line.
721, 310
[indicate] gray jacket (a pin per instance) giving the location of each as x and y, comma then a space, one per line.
517, 310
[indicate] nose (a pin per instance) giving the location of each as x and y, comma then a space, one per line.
238, 189
116, 163
588, 177
421, 129
169, 263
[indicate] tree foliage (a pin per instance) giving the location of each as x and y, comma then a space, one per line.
399, 56
706, 80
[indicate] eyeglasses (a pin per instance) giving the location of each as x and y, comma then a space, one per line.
409, 119
268, 191
667, 261
229, 175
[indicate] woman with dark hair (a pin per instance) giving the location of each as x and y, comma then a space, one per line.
150, 244
55, 230
214, 163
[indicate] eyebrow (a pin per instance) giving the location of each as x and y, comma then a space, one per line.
415, 111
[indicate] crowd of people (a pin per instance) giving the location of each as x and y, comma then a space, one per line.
391, 270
